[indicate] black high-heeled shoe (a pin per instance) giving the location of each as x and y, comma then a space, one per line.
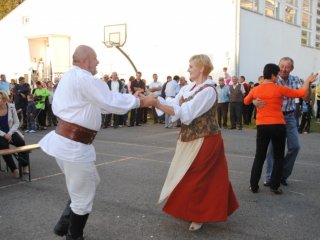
276, 191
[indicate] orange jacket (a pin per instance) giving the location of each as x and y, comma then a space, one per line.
271, 94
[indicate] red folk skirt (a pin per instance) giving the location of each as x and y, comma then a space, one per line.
205, 193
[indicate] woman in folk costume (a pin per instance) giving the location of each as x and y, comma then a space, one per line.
197, 185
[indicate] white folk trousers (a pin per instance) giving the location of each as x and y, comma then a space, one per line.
82, 179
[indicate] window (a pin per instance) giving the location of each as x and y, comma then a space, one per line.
25, 20
306, 22
250, 4
290, 11
306, 6
305, 38
290, 15
317, 40
272, 8
291, 2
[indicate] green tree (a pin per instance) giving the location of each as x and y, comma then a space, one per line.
6, 6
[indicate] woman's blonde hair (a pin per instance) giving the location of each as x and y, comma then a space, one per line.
202, 60
4, 96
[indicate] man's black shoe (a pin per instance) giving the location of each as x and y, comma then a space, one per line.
254, 190
284, 182
276, 191
61, 229
267, 184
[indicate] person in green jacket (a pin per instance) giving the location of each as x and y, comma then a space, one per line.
40, 95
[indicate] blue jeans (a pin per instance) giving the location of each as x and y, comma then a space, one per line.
293, 147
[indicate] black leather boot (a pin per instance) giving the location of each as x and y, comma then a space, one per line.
61, 228
76, 226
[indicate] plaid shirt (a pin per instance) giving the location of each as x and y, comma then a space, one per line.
294, 82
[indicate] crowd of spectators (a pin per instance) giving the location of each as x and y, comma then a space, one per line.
231, 112
32, 103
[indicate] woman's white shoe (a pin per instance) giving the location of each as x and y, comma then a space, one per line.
195, 226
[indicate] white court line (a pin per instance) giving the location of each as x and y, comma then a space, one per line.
302, 194
137, 157
299, 162
134, 144
126, 158
60, 173
144, 154
307, 164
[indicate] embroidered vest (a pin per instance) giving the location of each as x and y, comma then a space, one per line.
202, 126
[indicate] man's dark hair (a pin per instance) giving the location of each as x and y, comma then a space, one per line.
270, 69
176, 77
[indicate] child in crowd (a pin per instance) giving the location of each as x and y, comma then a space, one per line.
306, 117
31, 114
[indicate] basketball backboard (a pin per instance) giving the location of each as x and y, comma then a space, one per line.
115, 35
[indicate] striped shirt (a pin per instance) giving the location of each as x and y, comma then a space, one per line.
294, 82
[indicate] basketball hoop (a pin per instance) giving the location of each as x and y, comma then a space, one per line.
110, 44
115, 35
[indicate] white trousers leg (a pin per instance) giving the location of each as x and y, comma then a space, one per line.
82, 180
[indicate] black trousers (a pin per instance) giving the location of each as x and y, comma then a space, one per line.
318, 109
17, 141
305, 122
123, 119
41, 117
247, 114
236, 114
276, 133
23, 114
144, 114
51, 118
135, 116
222, 114
115, 120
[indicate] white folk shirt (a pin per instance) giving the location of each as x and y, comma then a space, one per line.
172, 88
80, 98
155, 85
200, 103
115, 86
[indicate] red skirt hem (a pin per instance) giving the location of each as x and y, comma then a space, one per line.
205, 193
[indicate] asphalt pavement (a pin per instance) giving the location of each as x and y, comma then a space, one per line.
133, 163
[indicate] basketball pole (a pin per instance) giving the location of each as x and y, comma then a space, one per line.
129, 59
116, 36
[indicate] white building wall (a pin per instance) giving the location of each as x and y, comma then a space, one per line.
265, 40
162, 35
